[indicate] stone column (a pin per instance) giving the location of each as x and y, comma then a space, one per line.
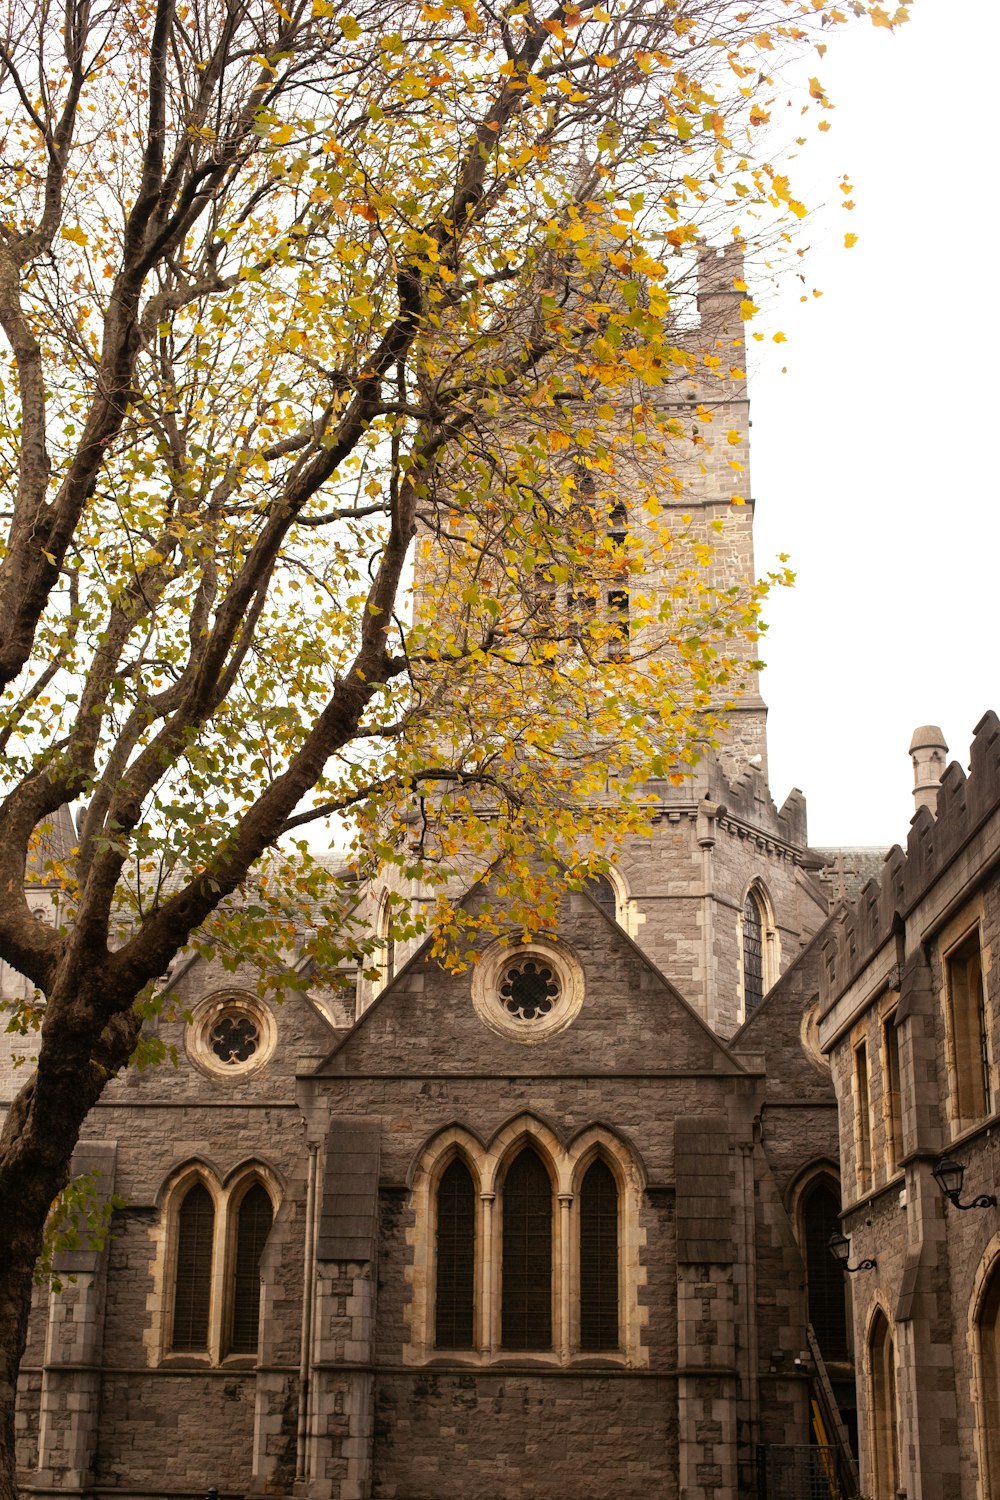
74, 1346
565, 1230
488, 1319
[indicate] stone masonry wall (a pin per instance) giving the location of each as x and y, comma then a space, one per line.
494, 1435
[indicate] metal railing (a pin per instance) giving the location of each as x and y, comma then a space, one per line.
801, 1472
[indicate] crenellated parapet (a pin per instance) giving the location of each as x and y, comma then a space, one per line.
964, 804
747, 799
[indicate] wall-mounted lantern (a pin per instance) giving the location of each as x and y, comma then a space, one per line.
949, 1175
839, 1247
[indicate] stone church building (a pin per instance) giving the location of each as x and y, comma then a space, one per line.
552, 1229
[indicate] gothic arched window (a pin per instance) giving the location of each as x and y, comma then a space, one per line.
600, 889
193, 1269
456, 1258
217, 1236
824, 1276
753, 953
526, 1304
253, 1225
599, 1258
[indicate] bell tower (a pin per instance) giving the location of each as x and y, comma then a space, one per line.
721, 893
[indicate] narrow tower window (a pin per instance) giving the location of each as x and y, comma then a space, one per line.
753, 954
526, 1311
253, 1225
893, 1095
862, 1119
456, 1257
599, 1258
193, 1281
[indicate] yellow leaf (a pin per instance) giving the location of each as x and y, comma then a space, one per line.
747, 309
349, 27
850, 240
75, 233
779, 338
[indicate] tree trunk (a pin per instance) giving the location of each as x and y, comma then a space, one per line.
39, 1136
22, 1243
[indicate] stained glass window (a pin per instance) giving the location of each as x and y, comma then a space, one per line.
529, 988
598, 1208
456, 1258
824, 1277
253, 1226
234, 1039
193, 1278
526, 1312
753, 964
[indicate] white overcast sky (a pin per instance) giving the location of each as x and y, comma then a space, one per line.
872, 460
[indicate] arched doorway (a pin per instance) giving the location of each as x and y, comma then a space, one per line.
883, 1412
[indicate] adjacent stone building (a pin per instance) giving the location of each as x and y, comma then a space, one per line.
909, 1017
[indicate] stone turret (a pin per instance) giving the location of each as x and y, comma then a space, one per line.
928, 752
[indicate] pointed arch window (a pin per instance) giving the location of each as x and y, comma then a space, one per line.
599, 1258
218, 1237
253, 1225
193, 1274
827, 1297
600, 889
529, 1246
759, 954
385, 955
753, 953
456, 1258
526, 1310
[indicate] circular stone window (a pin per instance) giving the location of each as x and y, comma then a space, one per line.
230, 1035
529, 991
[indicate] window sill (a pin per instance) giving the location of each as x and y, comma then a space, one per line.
611, 1359
189, 1362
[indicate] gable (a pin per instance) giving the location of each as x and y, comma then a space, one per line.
784, 1027
629, 1018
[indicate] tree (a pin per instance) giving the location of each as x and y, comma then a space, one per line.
291, 297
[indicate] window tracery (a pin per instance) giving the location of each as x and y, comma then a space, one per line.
526, 1246
215, 1240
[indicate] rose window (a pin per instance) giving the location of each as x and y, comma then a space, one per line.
529, 989
234, 1039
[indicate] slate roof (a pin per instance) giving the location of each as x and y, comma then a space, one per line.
846, 871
